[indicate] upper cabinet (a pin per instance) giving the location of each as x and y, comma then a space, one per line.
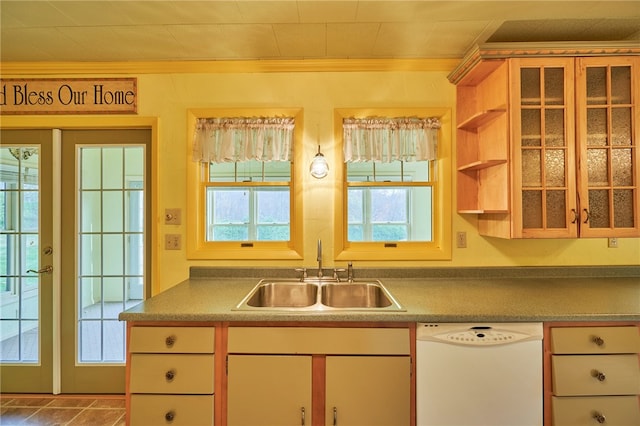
547, 145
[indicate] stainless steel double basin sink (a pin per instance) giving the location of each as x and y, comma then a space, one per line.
319, 295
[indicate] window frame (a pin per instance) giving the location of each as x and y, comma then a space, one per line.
440, 248
197, 246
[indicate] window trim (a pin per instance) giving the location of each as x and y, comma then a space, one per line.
196, 245
441, 246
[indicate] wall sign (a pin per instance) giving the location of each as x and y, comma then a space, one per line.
68, 96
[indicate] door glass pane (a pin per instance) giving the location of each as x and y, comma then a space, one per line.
554, 127
622, 167
598, 167
19, 252
530, 86
596, 85
621, 85
111, 247
623, 208
531, 209
599, 208
621, 126
531, 127
531, 168
597, 127
556, 209
554, 164
554, 86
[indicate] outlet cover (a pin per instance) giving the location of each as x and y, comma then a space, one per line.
612, 242
172, 242
461, 239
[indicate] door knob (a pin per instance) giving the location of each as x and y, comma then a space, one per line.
46, 270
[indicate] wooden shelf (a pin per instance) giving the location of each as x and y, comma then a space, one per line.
481, 211
478, 165
481, 118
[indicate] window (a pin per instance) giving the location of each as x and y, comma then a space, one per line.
246, 205
394, 204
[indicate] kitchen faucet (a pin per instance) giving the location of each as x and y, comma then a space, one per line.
319, 259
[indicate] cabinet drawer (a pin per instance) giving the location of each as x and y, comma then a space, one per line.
174, 410
594, 340
307, 340
580, 411
188, 374
595, 375
172, 340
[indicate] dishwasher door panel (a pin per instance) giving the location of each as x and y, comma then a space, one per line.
460, 385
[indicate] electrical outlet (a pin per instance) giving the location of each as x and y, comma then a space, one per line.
172, 216
172, 242
613, 242
461, 239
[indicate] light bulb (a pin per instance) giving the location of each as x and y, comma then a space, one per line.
319, 167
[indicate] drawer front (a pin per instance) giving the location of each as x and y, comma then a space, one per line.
173, 410
172, 340
172, 374
607, 410
595, 340
595, 375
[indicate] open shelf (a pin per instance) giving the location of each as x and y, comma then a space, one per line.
478, 165
481, 118
481, 211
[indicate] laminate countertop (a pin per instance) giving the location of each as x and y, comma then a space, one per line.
426, 295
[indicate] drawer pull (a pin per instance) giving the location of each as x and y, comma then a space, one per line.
598, 375
169, 416
599, 417
597, 340
302, 416
170, 375
170, 341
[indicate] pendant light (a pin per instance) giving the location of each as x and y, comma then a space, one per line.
319, 167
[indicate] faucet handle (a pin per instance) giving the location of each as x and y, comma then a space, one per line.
335, 273
304, 273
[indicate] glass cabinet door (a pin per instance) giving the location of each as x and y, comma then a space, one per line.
607, 102
544, 152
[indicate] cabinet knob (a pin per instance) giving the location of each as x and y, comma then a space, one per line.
597, 340
170, 340
170, 375
598, 417
169, 416
598, 375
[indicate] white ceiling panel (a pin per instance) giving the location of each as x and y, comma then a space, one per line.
127, 30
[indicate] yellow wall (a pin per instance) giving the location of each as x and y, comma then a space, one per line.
166, 96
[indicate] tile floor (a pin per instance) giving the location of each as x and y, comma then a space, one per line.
62, 410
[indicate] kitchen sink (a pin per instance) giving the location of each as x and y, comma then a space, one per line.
283, 294
356, 295
318, 294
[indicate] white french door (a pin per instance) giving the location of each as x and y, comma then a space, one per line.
101, 246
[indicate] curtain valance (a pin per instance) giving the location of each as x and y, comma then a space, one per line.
230, 139
389, 139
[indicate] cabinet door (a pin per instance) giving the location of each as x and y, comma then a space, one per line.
544, 183
368, 390
608, 108
269, 390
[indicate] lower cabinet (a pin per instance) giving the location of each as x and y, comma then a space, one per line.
171, 376
324, 376
595, 375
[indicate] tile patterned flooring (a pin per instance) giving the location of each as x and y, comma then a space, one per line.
62, 410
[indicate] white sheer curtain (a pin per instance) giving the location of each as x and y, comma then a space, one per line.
388, 139
230, 139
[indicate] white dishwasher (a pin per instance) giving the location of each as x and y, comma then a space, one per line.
479, 374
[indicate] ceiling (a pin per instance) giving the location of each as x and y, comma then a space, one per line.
151, 30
